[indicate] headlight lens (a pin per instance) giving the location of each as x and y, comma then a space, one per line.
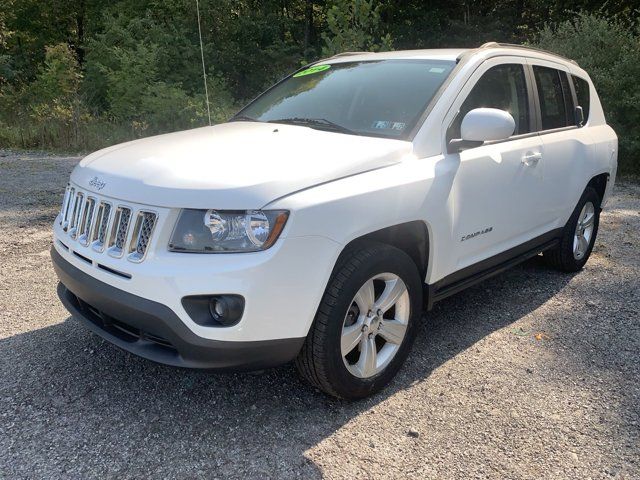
217, 231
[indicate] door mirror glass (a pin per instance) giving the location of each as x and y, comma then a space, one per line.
487, 124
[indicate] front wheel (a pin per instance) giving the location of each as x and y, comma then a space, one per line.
365, 324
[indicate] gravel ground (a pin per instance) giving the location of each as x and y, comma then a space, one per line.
532, 374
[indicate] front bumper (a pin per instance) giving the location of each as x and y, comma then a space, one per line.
153, 331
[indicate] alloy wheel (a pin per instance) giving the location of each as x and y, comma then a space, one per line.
584, 231
375, 325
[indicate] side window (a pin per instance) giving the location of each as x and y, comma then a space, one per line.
569, 107
582, 92
556, 103
503, 87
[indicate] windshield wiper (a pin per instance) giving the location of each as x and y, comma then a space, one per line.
319, 123
242, 118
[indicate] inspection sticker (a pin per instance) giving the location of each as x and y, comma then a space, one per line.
385, 125
314, 69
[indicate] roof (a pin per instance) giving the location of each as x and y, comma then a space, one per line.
430, 54
452, 54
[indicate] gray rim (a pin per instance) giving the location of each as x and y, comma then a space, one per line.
375, 325
584, 231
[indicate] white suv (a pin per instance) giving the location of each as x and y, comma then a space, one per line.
320, 221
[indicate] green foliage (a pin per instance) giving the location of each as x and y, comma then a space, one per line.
51, 103
57, 84
354, 25
610, 52
5, 12
79, 75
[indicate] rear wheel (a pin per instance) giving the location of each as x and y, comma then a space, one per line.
578, 236
365, 325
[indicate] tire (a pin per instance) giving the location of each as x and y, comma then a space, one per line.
564, 256
339, 323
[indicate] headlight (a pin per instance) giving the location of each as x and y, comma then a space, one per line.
217, 231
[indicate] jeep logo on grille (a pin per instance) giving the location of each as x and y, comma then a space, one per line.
96, 183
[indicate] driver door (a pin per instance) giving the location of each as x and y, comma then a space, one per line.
497, 185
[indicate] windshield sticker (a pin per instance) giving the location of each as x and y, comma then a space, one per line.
314, 69
436, 70
384, 125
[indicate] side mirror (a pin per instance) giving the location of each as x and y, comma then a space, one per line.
486, 124
483, 125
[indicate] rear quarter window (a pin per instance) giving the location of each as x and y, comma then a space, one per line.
581, 87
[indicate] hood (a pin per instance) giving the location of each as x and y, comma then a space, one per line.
237, 166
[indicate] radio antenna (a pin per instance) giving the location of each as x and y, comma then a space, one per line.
204, 69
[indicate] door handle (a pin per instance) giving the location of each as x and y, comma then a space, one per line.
531, 159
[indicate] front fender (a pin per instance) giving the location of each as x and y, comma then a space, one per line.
346, 209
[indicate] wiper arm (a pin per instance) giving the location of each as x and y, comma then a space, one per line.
242, 118
321, 123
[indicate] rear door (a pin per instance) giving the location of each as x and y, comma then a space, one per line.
498, 185
564, 145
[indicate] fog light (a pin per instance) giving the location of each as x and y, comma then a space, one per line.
214, 310
226, 309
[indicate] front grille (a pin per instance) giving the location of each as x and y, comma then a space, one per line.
107, 226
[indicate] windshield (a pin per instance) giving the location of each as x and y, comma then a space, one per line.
379, 98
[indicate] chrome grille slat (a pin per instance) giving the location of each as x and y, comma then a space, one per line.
148, 222
119, 230
100, 230
104, 224
65, 204
141, 236
123, 228
84, 230
69, 201
78, 207
106, 227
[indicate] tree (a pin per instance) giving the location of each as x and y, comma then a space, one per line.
354, 25
55, 90
610, 53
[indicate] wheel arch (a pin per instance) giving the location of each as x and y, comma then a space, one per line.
410, 237
599, 184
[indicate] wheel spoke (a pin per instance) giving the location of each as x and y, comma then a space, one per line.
582, 242
351, 337
367, 362
393, 290
365, 297
393, 331
587, 221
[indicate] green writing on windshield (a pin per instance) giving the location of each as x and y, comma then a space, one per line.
314, 69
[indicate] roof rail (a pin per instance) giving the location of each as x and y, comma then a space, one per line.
524, 47
346, 54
